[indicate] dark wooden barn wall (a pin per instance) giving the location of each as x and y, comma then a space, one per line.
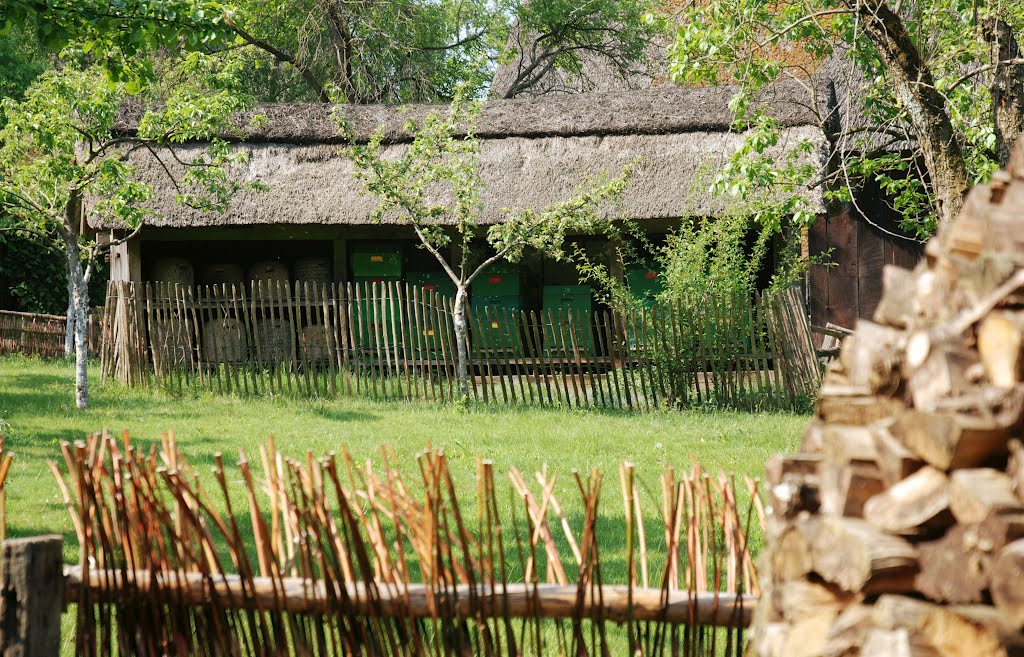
852, 285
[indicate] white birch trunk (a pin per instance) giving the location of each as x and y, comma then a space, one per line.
461, 342
69, 328
78, 290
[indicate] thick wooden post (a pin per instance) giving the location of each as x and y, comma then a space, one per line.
31, 596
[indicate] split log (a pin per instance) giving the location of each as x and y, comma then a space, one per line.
792, 485
855, 405
946, 372
1001, 348
896, 308
842, 444
1006, 577
953, 568
780, 467
845, 489
895, 461
977, 493
1015, 466
934, 629
794, 560
799, 598
916, 506
958, 567
849, 632
858, 557
944, 442
872, 357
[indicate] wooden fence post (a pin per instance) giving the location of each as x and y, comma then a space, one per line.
31, 596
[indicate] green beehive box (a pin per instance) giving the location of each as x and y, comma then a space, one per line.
645, 283
432, 281
377, 263
366, 307
496, 281
428, 343
570, 305
495, 315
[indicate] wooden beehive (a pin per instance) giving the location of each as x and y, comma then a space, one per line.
274, 340
269, 271
899, 528
174, 270
171, 342
222, 274
314, 343
225, 341
313, 270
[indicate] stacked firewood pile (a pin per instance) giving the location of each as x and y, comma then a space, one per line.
899, 528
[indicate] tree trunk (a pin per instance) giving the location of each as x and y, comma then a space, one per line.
69, 328
1007, 89
461, 342
925, 105
78, 290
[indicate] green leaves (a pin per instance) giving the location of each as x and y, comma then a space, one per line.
119, 34
434, 185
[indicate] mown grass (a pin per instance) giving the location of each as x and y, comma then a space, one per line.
36, 413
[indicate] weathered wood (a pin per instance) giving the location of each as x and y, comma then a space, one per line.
855, 405
31, 596
872, 357
299, 595
977, 493
1001, 347
845, 489
1006, 576
945, 443
931, 627
918, 505
895, 461
856, 556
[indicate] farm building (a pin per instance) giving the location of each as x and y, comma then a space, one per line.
314, 223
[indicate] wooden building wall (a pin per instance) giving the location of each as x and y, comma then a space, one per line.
851, 287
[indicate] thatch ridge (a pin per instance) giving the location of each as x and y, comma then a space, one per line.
664, 110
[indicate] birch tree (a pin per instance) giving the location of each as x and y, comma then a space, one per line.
434, 186
64, 169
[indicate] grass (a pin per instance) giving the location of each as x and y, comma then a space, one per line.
36, 413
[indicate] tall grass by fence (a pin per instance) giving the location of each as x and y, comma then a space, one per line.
326, 556
393, 341
34, 334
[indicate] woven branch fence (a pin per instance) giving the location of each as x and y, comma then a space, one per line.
324, 556
34, 334
389, 340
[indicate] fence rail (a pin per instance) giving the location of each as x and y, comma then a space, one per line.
35, 334
394, 341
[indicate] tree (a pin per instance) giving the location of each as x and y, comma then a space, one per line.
434, 186
64, 168
928, 93
120, 35
423, 50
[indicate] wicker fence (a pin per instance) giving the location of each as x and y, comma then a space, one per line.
35, 334
390, 340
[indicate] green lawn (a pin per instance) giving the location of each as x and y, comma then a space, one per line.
36, 412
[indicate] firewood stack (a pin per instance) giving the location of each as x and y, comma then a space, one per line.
899, 528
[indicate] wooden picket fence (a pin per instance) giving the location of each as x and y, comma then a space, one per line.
34, 334
394, 341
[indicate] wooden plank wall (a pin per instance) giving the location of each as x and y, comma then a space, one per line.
394, 341
852, 286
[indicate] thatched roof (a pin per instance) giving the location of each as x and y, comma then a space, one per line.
314, 183
533, 152
663, 110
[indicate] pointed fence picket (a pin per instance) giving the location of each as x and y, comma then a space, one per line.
391, 340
